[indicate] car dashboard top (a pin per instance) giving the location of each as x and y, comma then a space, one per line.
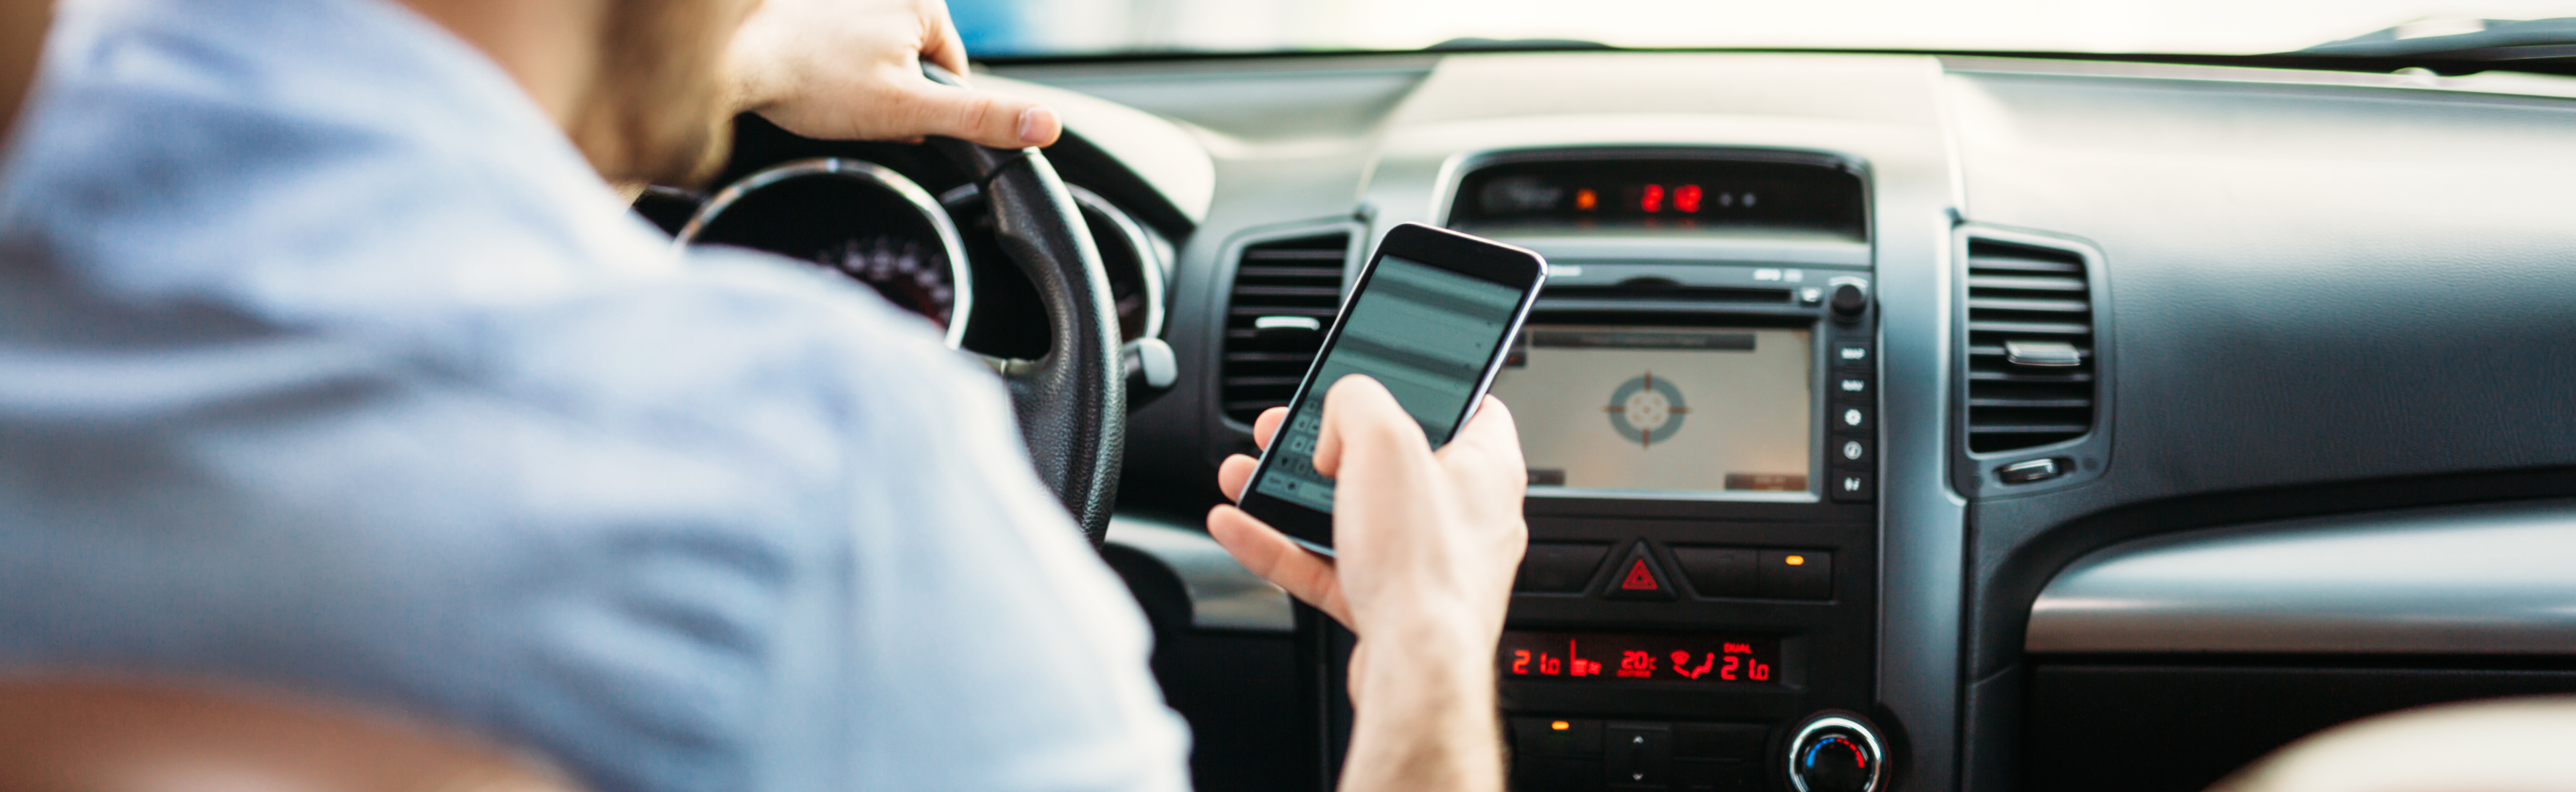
1843, 358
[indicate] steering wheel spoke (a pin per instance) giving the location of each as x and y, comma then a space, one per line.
1072, 401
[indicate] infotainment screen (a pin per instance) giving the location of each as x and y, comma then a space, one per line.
1663, 409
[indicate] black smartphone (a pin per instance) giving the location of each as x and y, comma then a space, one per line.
1431, 317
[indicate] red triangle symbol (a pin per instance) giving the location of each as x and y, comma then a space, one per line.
1639, 577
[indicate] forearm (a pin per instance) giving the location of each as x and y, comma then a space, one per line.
1425, 717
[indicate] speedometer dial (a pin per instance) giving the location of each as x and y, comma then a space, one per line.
858, 218
908, 273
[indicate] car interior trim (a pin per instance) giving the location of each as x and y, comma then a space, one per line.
2486, 579
1223, 595
1161, 153
1886, 112
1151, 269
2493, 82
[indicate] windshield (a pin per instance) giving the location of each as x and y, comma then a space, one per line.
2225, 27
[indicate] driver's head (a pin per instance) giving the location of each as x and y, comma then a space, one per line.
639, 85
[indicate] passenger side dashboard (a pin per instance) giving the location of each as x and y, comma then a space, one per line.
2208, 298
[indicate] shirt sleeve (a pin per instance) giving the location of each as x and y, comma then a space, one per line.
984, 644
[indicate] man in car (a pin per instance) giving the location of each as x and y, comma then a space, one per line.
329, 360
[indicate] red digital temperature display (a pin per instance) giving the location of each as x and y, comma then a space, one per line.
1615, 658
1754, 194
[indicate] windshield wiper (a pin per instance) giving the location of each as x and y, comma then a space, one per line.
2490, 41
1472, 44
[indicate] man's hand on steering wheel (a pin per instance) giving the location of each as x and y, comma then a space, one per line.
851, 70
855, 70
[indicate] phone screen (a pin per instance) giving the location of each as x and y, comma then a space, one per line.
1428, 334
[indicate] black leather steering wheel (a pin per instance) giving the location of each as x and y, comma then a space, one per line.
1072, 402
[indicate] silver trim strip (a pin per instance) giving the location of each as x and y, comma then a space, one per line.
958, 270
1223, 595
1149, 263
2490, 579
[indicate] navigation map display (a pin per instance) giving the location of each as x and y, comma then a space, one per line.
1663, 409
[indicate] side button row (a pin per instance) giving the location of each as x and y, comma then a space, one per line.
1852, 419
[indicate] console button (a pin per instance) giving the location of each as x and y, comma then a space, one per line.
1850, 299
1638, 577
1556, 737
1852, 388
1848, 451
1853, 418
1638, 754
1853, 355
1797, 574
1717, 571
1719, 740
1559, 567
1852, 486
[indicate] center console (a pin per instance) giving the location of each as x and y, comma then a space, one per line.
1697, 392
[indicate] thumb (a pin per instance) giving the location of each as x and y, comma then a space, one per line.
928, 108
1358, 411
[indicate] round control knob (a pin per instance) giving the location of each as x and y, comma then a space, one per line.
1849, 300
1834, 753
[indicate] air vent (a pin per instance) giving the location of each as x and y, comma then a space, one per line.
1286, 292
2031, 370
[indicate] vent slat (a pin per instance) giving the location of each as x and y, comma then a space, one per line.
2019, 293
2027, 328
1281, 310
2023, 304
1998, 351
1999, 376
1314, 274
2025, 429
1997, 402
1326, 292
1298, 276
1292, 254
2025, 283
1992, 261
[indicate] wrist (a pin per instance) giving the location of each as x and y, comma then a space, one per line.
754, 76
1425, 722
1435, 628
748, 88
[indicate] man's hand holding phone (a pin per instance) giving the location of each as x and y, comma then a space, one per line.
1426, 544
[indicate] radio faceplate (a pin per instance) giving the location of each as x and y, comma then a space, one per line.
1735, 396
1632, 578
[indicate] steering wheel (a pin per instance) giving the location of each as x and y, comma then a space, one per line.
1072, 402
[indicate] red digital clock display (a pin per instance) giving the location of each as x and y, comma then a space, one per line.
1775, 194
1615, 658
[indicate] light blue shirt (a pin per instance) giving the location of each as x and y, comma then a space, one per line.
325, 361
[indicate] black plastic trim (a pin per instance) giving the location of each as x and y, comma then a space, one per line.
1971, 472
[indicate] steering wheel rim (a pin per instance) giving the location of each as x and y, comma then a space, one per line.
1071, 402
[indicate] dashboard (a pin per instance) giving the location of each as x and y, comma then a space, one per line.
1894, 422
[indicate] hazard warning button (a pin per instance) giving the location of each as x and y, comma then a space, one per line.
1639, 577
